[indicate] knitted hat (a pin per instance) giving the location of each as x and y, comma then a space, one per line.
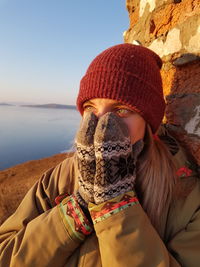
129, 74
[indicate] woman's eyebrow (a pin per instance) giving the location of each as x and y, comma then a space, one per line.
118, 104
87, 102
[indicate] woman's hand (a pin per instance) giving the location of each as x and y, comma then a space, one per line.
115, 158
86, 159
106, 158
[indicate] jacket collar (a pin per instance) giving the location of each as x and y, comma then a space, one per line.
186, 167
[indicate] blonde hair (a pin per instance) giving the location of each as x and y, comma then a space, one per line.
156, 180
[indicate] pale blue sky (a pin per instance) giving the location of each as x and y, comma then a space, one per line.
46, 45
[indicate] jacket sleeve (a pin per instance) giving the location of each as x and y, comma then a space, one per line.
41, 233
127, 238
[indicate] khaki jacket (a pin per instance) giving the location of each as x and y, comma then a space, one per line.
39, 234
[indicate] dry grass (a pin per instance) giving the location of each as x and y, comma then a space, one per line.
17, 180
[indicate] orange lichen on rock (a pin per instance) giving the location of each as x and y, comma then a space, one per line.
173, 14
167, 74
133, 11
181, 80
165, 21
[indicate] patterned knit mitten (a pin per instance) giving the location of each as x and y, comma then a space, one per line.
115, 158
86, 159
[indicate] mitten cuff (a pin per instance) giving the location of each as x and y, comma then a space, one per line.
105, 210
75, 221
81, 201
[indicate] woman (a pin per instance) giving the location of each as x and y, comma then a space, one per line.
127, 197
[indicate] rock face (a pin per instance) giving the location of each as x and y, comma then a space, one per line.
172, 30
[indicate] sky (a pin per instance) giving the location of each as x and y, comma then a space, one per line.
47, 45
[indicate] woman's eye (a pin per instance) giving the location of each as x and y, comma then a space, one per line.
123, 112
88, 108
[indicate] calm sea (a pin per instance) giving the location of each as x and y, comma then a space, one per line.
32, 133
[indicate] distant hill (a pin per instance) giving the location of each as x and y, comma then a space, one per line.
57, 106
5, 104
17, 103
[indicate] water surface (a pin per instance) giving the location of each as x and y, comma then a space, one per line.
32, 133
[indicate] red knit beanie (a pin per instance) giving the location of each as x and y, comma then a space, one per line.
129, 74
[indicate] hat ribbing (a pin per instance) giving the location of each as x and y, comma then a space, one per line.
129, 74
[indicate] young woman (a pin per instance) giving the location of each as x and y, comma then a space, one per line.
128, 196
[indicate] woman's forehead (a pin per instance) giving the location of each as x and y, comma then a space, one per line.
105, 101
